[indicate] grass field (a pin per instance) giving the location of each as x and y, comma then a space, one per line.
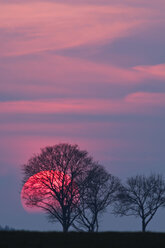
23, 239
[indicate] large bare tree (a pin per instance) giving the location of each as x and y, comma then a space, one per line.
141, 196
52, 179
97, 193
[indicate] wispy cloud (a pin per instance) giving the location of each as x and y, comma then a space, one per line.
156, 71
58, 26
129, 104
82, 60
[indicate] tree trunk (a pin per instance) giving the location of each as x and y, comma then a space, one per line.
91, 229
97, 226
65, 228
143, 225
65, 222
65, 225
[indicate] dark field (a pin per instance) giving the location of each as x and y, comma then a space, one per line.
21, 239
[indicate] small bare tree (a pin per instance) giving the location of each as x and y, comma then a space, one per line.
141, 196
97, 193
51, 181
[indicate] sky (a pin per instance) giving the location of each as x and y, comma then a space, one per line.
86, 72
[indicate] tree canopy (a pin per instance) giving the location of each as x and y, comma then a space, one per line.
98, 191
141, 196
65, 164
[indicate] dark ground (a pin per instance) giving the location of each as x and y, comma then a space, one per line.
22, 239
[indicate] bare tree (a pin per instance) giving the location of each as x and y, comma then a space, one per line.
51, 181
97, 192
141, 196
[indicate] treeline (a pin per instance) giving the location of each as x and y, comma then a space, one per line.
75, 191
6, 228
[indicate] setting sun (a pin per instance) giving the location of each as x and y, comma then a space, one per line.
47, 187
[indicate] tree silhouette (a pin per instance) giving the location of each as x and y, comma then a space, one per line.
52, 180
97, 192
141, 196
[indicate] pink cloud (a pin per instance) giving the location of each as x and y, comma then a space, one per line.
46, 26
42, 28
63, 75
81, 106
156, 71
32, 32
68, 76
146, 98
130, 104
18, 149
57, 128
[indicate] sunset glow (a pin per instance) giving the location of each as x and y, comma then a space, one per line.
85, 72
